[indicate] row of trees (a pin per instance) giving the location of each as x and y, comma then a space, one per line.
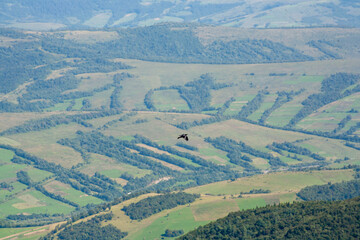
252, 105
207, 172
193, 158
197, 93
234, 150
124, 117
91, 229
97, 186
332, 88
55, 120
115, 96
342, 123
290, 147
151, 205
186, 146
323, 46
331, 192
282, 98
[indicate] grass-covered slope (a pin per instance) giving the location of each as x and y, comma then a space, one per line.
300, 220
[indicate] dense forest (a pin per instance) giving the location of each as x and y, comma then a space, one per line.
160, 43
299, 220
331, 192
151, 205
91, 229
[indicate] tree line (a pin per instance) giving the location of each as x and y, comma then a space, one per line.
331, 192
91, 229
282, 98
332, 88
151, 205
290, 147
55, 120
207, 172
234, 150
98, 187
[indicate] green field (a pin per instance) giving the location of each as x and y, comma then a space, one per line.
6, 156
169, 100
71, 194
38, 175
176, 220
214, 210
282, 115
111, 168
305, 80
4, 232
59, 107
237, 105
34, 202
17, 187
8, 172
275, 182
249, 203
268, 102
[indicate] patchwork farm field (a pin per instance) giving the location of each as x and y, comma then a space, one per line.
219, 199
92, 134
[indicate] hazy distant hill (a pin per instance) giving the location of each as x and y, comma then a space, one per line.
47, 14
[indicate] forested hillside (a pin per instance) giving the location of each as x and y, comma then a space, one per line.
331, 192
302, 220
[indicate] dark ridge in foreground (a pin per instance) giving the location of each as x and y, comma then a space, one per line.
300, 220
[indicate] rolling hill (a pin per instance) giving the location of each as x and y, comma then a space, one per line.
90, 119
45, 15
298, 220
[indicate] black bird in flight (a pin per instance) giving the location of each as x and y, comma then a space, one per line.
184, 135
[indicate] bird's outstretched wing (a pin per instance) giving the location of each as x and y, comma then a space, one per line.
184, 135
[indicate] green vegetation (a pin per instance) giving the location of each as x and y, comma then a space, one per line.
152, 205
178, 219
186, 146
252, 105
275, 182
331, 192
301, 220
234, 150
290, 147
91, 229
331, 90
250, 203
6, 155
104, 127
166, 100
34, 202
283, 97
